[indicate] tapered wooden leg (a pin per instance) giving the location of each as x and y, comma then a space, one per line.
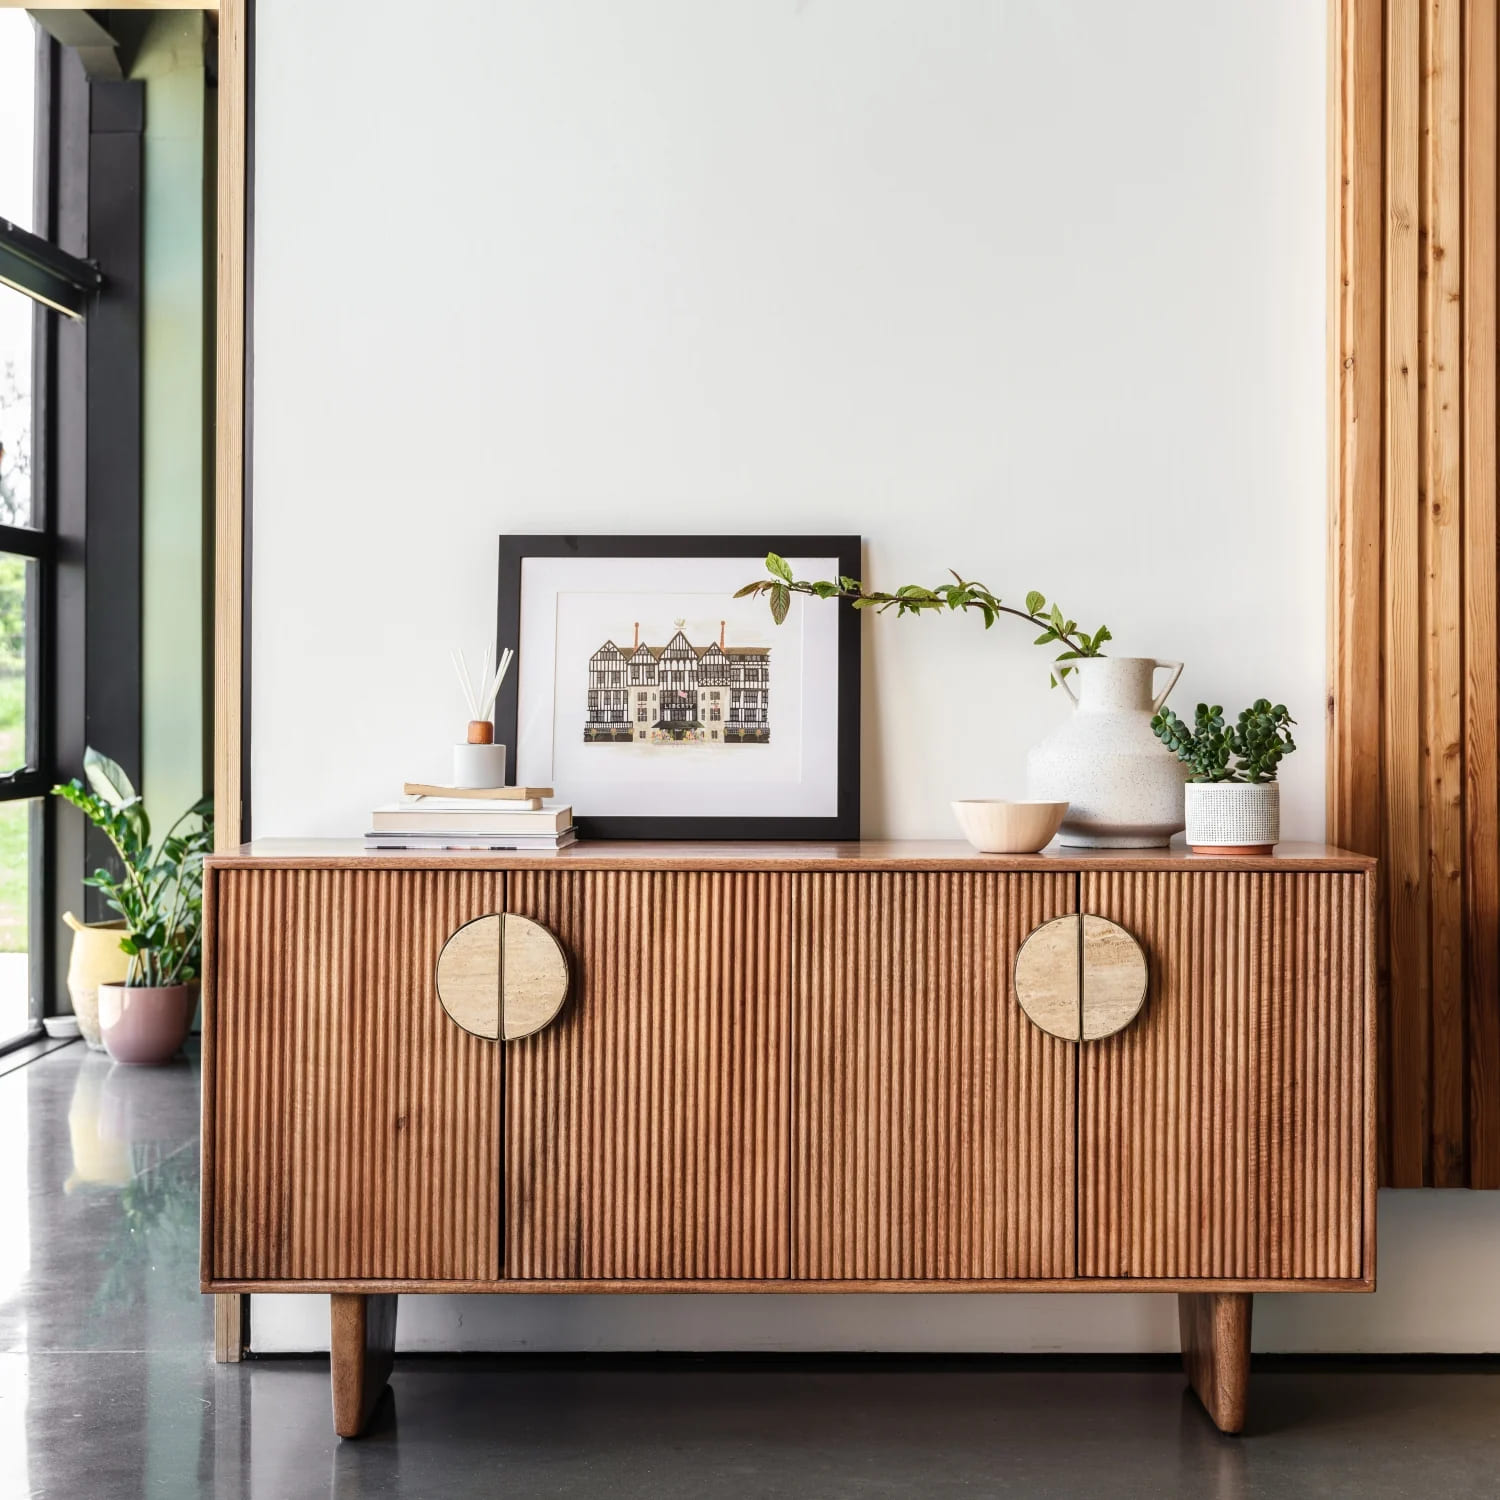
1216, 1352
362, 1331
229, 1327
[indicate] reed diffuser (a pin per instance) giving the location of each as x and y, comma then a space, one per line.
479, 763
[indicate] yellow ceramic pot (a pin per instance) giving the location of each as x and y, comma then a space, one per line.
96, 960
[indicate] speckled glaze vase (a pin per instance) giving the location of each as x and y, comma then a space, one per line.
1123, 787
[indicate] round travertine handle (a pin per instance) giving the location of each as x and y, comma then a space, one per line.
1081, 977
502, 977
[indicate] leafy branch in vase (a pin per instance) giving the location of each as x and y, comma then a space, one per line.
913, 598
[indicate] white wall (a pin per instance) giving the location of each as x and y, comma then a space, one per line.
1034, 289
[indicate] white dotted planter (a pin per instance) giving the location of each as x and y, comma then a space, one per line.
1233, 817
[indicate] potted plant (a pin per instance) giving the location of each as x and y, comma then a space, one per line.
1233, 798
159, 894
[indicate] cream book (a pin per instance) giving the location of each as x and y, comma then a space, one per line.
468, 815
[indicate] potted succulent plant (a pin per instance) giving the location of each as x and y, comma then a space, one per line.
159, 894
1233, 798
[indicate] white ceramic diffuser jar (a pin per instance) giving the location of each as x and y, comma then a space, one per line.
480, 763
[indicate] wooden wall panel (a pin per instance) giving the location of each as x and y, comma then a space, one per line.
1414, 654
646, 1128
1223, 1134
933, 1123
352, 1129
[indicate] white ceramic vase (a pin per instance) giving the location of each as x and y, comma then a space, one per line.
1233, 817
1122, 785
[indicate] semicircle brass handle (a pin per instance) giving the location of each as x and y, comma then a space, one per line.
502, 977
1081, 978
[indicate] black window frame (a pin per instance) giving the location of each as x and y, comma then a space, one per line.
86, 482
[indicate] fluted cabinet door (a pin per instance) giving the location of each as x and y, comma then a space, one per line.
646, 1132
351, 1129
933, 1122
1224, 1132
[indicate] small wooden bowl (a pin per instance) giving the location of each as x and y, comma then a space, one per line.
994, 826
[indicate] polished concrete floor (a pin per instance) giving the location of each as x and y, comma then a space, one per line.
107, 1388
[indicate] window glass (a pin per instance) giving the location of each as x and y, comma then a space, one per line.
16, 321
17, 653
18, 837
17, 115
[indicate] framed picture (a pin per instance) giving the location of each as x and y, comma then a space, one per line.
661, 706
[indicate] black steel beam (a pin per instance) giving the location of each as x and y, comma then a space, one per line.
41, 271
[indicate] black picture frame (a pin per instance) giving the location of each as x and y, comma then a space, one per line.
844, 823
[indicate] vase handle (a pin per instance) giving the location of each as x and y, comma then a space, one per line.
1162, 696
1062, 681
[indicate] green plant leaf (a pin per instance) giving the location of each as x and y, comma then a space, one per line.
779, 567
781, 601
108, 779
1035, 603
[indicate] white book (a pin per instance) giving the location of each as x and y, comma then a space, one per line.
480, 841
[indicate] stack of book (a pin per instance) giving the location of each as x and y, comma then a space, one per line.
448, 817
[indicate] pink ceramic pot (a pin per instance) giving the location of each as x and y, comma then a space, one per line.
141, 1025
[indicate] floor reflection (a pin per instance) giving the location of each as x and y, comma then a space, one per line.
103, 1334
107, 1387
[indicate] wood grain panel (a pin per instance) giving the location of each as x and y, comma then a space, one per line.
1405, 844
1223, 1134
1442, 577
1356, 149
1414, 655
1481, 704
646, 1128
229, 423
353, 1130
933, 1123
231, 216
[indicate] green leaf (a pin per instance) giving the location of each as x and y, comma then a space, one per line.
778, 566
850, 585
781, 601
1035, 603
107, 778
866, 603
1045, 637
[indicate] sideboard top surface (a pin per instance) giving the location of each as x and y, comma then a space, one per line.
868, 854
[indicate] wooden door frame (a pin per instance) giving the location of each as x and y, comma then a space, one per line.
231, 403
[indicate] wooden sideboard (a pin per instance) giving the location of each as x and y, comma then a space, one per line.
789, 1068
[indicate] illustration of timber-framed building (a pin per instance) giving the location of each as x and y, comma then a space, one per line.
679, 693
